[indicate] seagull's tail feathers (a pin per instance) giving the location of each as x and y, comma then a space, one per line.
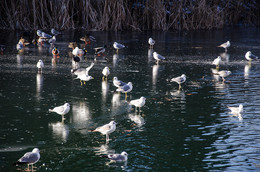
51, 110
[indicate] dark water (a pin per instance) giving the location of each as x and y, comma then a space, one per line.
177, 130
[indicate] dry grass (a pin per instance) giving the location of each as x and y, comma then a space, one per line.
127, 15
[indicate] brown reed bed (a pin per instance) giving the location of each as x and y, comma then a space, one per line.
127, 14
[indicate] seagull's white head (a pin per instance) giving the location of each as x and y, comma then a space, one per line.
240, 108
67, 104
112, 123
124, 153
36, 150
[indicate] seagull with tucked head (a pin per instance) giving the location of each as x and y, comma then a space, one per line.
217, 61
249, 56
151, 42
105, 73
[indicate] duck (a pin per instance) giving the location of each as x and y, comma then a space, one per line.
88, 39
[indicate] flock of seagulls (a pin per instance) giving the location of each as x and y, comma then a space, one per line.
82, 74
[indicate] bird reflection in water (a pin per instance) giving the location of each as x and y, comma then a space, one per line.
150, 55
105, 88
60, 131
39, 85
81, 116
137, 119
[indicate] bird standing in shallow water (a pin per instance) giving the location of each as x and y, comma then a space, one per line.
180, 79
225, 45
29, 158
100, 50
106, 129
105, 73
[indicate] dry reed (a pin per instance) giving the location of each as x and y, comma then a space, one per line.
127, 15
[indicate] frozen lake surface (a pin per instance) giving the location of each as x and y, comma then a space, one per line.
177, 130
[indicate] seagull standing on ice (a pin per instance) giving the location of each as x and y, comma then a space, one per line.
217, 61
158, 57
138, 103
61, 110
105, 73
126, 88
225, 45
180, 79
118, 83
151, 42
118, 46
224, 73
249, 56
107, 129
29, 158
40, 65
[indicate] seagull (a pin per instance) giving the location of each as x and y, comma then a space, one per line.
151, 42
78, 52
225, 45
224, 73
84, 78
39, 33
217, 61
40, 65
105, 73
55, 32
117, 157
29, 158
45, 35
138, 102
125, 88
180, 79
236, 110
158, 57
81, 71
106, 129
118, 46
61, 110
99, 50
249, 56
118, 83
52, 40
88, 39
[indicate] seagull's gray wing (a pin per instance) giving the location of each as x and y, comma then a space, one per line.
29, 157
